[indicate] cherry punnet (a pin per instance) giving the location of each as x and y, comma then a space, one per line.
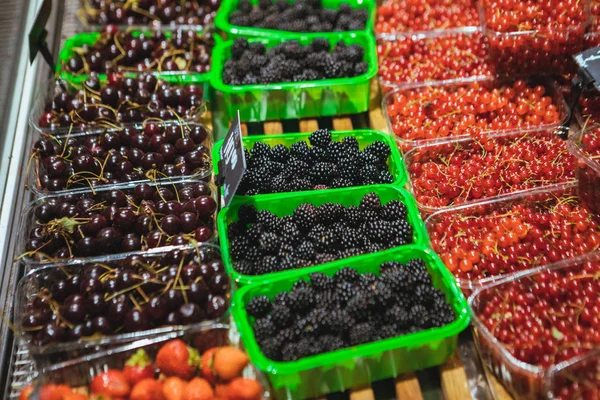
471, 170
141, 300
114, 221
417, 15
453, 56
434, 112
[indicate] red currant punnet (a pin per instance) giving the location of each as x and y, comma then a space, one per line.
470, 170
586, 148
579, 380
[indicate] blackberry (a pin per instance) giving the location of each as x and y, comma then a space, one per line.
370, 159
335, 151
268, 265
384, 295
289, 352
347, 168
291, 68
298, 185
305, 216
261, 150
290, 233
353, 216
379, 149
281, 316
344, 291
419, 316
369, 175
339, 321
370, 201
385, 177
351, 239
424, 294
306, 348
240, 45
360, 333
295, 168
269, 220
247, 213
288, 335
245, 267
351, 144
327, 241
302, 152
350, 252
305, 251
263, 328
385, 332
330, 213
353, 53
320, 138
307, 75
322, 173
279, 153
278, 184
398, 316
346, 274
390, 267
331, 343
326, 299
394, 210
332, 68
271, 347
378, 231
259, 48
324, 258
259, 306
239, 248
368, 280
319, 154
236, 228
341, 183
403, 233
269, 242
398, 280
254, 232
301, 300
360, 68
281, 299
359, 306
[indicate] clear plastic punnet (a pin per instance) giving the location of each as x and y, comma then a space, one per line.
127, 297
575, 379
587, 170
410, 109
485, 242
531, 325
108, 220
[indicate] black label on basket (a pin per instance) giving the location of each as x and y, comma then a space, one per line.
38, 33
233, 162
588, 62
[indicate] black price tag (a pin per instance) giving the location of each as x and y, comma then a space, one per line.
233, 162
588, 62
38, 34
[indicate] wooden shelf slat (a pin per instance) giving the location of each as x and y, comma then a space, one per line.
273, 128
408, 387
342, 124
308, 125
454, 380
362, 394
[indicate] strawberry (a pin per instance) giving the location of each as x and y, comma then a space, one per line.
111, 383
174, 388
198, 389
229, 362
52, 392
138, 367
244, 389
147, 389
177, 359
206, 365
75, 396
26, 392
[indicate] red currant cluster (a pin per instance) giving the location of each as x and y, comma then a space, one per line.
416, 15
587, 152
541, 319
513, 235
432, 112
595, 13
533, 35
453, 173
589, 107
446, 57
581, 380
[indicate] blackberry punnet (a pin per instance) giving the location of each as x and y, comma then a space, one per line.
290, 62
322, 164
314, 235
349, 308
300, 16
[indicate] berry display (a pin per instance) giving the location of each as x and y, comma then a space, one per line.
514, 235
397, 16
433, 112
177, 370
119, 220
133, 294
482, 167
550, 32
150, 12
446, 57
299, 16
106, 106
589, 107
587, 149
578, 380
322, 319
316, 235
122, 51
325, 164
154, 152
542, 320
252, 63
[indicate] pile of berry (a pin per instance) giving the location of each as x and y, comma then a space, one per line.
141, 12
291, 62
432, 112
418, 15
262, 243
299, 16
327, 164
131, 295
122, 51
546, 318
587, 168
348, 309
113, 221
120, 100
413, 59
589, 107
514, 236
579, 380
157, 151
470, 170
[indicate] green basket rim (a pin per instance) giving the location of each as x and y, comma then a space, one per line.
227, 8
167, 76
395, 156
420, 235
459, 304
218, 62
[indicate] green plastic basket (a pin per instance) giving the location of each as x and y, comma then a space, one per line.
229, 6
90, 38
285, 204
357, 366
291, 100
365, 137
